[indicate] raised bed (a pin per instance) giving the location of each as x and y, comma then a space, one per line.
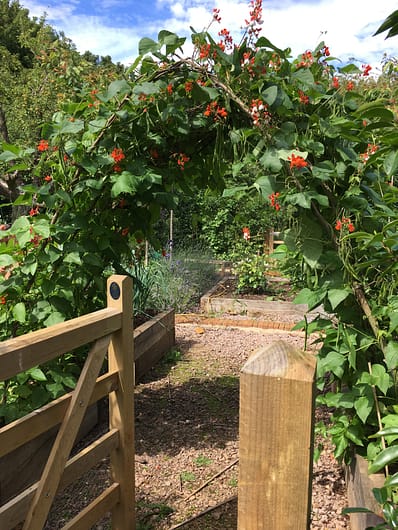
360, 495
23, 466
152, 340
213, 303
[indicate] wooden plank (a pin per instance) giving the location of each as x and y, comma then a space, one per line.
147, 335
21, 353
121, 403
95, 510
360, 493
14, 512
41, 420
276, 439
53, 470
155, 338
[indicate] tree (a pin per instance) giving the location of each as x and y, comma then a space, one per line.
39, 69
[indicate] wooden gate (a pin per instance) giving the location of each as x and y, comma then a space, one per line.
109, 332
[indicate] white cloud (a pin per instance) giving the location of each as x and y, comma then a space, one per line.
62, 11
120, 43
347, 27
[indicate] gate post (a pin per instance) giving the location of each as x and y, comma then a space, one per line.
276, 439
121, 402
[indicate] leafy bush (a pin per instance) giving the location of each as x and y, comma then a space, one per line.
251, 274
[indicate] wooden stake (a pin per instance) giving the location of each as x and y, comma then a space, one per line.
276, 439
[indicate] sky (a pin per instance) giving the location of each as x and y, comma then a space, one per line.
115, 27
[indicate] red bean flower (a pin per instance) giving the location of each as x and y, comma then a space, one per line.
297, 161
274, 201
344, 222
43, 145
34, 211
366, 69
118, 155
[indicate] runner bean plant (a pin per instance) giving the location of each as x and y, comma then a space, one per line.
306, 133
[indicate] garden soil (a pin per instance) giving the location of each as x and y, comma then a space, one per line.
187, 437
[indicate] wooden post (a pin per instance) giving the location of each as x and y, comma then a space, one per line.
276, 439
121, 402
269, 241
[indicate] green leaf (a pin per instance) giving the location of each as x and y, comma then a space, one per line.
10, 147
391, 355
25, 199
39, 397
69, 381
55, 318
19, 312
235, 191
336, 296
146, 88
340, 399
20, 225
172, 41
263, 42
71, 127
270, 94
305, 198
30, 265
64, 196
350, 69
7, 156
23, 391
120, 87
391, 481
42, 227
37, 374
379, 112
6, 260
384, 458
271, 161
73, 257
304, 77
265, 184
125, 183
55, 390
363, 407
312, 251
380, 378
204, 93
311, 298
353, 433
391, 23
147, 45
333, 362
391, 163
